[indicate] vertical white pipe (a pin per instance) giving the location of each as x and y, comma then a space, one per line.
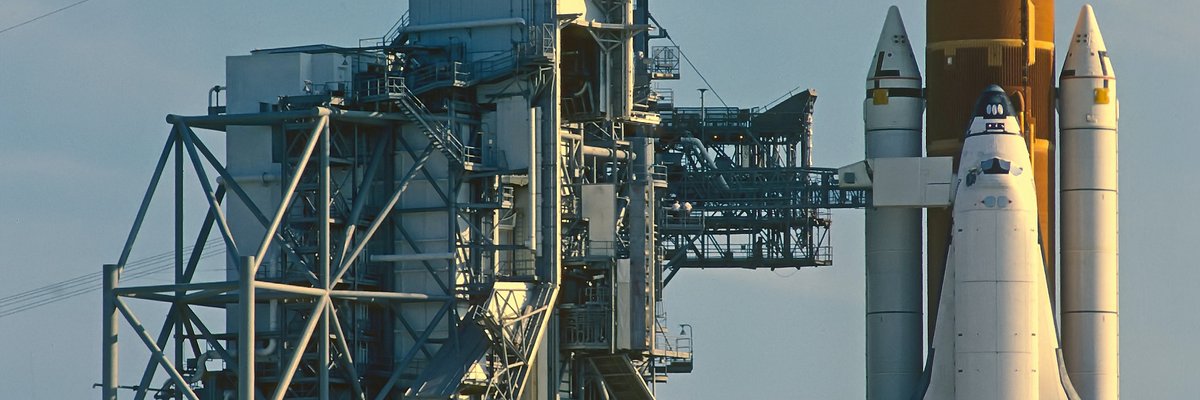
246, 330
1089, 112
892, 115
323, 254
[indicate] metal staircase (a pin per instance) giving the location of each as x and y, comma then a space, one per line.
621, 379
515, 327
398, 34
502, 336
442, 138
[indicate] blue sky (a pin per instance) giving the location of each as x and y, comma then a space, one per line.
83, 95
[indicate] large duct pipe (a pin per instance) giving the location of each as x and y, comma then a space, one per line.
697, 147
597, 151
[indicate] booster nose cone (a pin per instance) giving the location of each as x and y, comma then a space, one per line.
993, 103
1087, 56
894, 64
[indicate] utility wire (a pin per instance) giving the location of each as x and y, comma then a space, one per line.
25, 305
89, 289
777, 99
42, 16
136, 269
79, 285
129, 267
697, 70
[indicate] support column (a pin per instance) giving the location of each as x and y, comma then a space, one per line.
323, 256
108, 345
246, 329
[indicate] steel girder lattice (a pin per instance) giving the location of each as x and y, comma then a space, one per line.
336, 201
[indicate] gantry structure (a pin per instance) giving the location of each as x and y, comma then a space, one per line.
484, 203
743, 191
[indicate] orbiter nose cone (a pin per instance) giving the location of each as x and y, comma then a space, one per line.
1087, 55
993, 103
894, 58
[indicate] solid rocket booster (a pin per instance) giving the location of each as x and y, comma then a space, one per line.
892, 115
995, 336
1089, 111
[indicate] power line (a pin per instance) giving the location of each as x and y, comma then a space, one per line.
83, 284
42, 16
96, 276
84, 290
26, 305
697, 70
777, 99
58, 291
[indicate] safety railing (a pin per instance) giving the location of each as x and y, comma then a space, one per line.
520, 267
386, 87
585, 327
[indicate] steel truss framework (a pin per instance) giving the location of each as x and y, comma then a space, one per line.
743, 190
330, 213
324, 265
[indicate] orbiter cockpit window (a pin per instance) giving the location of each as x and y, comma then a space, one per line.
995, 166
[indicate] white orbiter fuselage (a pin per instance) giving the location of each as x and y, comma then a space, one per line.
995, 335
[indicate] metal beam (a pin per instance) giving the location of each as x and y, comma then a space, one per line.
156, 351
247, 329
145, 206
163, 335
418, 164
323, 256
210, 195
290, 289
287, 194
108, 343
220, 122
228, 180
418, 345
412, 257
134, 291
363, 196
289, 371
347, 361
370, 297
207, 335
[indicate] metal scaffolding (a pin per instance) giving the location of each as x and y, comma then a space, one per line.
427, 217
324, 294
742, 191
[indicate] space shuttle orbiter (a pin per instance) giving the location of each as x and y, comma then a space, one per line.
995, 335
991, 290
